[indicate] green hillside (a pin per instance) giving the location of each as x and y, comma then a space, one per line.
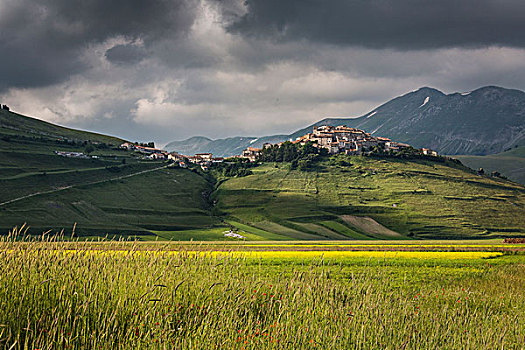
17, 126
117, 193
510, 163
375, 199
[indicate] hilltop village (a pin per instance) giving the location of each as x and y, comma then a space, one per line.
333, 139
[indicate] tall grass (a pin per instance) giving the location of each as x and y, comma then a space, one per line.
56, 295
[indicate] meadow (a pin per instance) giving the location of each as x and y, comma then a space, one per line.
510, 163
146, 295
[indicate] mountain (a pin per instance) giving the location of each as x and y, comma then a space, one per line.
221, 147
484, 121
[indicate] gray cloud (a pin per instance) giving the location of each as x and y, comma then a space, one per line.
125, 54
164, 69
42, 41
400, 24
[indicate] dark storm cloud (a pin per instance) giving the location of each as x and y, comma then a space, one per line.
41, 42
125, 54
398, 24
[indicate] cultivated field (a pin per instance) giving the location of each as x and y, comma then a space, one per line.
363, 295
353, 197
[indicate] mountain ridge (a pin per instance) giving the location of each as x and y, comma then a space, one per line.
491, 119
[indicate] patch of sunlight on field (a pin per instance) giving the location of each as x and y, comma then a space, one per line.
283, 254
357, 254
390, 245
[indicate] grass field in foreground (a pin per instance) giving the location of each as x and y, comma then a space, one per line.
127, 295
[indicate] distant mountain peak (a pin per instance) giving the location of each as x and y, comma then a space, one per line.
486, 120
428, 89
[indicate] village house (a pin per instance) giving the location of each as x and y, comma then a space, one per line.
205, 156
147, 150
72, 154
128, 146
201, 159
429, 152
174, 156
251, 153
157, 156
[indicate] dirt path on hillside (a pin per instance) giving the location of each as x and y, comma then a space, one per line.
77, 185
369, 226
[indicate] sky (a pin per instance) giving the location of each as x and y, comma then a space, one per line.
164, 70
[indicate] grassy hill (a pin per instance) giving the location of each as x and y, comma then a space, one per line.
510, 163
17, 126
117, 193
121, 194
374, 199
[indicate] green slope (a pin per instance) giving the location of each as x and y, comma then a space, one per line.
115, 194
17, 126
121, 194
118, 193
377, 199
162, 199
510, 163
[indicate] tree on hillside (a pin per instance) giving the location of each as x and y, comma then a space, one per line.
89, 148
